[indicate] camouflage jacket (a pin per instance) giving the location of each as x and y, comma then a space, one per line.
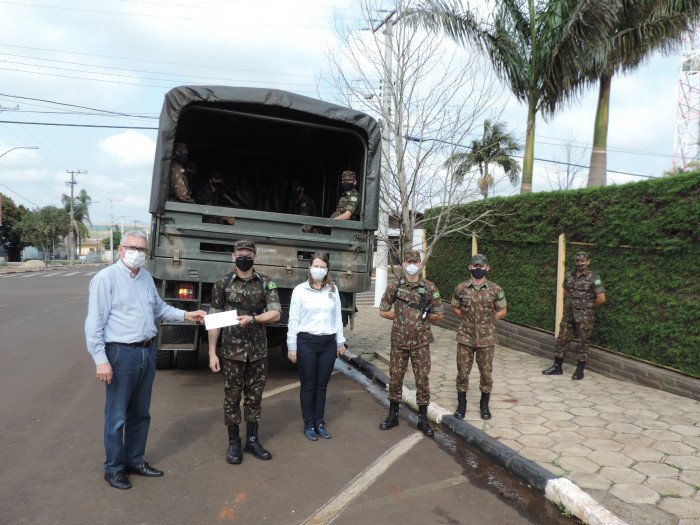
478, 304
179, 183
581, 291
350, 201
410, 330
248, 296
305, 205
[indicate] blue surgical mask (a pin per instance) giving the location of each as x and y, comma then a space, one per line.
412, 269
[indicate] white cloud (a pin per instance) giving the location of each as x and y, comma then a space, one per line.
129, 149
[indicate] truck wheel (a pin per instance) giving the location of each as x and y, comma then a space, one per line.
186, 359
164, 359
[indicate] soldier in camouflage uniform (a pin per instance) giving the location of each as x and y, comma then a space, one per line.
349, 202
212, 193
305, 206
583, 293
416, 304
479, 303
179, 185
244, 346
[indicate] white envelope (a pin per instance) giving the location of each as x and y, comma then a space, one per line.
212, 321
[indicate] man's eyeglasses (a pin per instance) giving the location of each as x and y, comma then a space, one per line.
141, 250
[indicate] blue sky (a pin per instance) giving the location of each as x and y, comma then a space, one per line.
61, 60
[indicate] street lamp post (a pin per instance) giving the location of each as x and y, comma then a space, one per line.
1, 156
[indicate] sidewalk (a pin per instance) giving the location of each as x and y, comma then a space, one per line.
633, 449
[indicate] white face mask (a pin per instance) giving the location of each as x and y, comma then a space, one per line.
412, 269
317, 274
134, 258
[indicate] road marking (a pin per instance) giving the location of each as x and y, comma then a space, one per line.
281, 389
284, 388
332, 509
68, 274
90, 273
27, 274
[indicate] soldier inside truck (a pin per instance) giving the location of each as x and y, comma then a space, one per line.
248, 186
250, 161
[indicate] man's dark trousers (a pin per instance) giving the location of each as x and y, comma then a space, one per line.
127, 404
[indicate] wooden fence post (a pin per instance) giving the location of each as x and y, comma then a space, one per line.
561, 270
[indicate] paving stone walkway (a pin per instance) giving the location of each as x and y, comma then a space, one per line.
632, 448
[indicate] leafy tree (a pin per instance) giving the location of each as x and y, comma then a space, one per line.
116, 239
10, 236
641, 28
44, 228
534, 46
494, 147
81, 215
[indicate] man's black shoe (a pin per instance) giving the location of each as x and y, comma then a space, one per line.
118, 479
144, 469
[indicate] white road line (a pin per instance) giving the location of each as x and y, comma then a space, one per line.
28, 274
281, 389
90, 273
68, 274
48, 274
332, 509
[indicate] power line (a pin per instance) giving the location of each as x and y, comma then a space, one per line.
73, 125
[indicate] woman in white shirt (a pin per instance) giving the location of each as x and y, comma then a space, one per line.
314, 340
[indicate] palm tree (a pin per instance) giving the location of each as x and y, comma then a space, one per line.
534, 47
494, 147
642, 27
81, 214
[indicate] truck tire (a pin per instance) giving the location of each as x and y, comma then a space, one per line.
164, 359
187, 359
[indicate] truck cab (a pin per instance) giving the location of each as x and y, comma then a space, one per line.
246, 149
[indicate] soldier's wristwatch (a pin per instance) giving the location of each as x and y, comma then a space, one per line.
252, 321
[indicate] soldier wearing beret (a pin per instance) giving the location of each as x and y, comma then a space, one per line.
179, 184
479, 303
583, 293
243, 346
349, 202
416, 303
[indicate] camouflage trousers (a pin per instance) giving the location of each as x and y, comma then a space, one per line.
247, 378
398, 363
465, 361
583, 330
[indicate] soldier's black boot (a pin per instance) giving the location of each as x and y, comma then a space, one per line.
392, 419
484, 405
423, 423
461, 405
578, 374
252, 444
233, 455
555, 369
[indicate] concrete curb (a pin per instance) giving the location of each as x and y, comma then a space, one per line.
557, 490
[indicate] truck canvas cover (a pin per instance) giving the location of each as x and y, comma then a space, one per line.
273, 104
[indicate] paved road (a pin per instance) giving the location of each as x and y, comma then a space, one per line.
51, 409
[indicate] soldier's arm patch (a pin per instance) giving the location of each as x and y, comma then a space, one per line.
353, 199
597, 282
436, 295
271, 285
501, 295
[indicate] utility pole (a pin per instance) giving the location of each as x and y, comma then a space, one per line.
111, 227
380, 278
71, 235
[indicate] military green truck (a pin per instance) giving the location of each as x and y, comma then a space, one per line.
250, 144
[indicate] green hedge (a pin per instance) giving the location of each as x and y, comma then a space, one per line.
643, 239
